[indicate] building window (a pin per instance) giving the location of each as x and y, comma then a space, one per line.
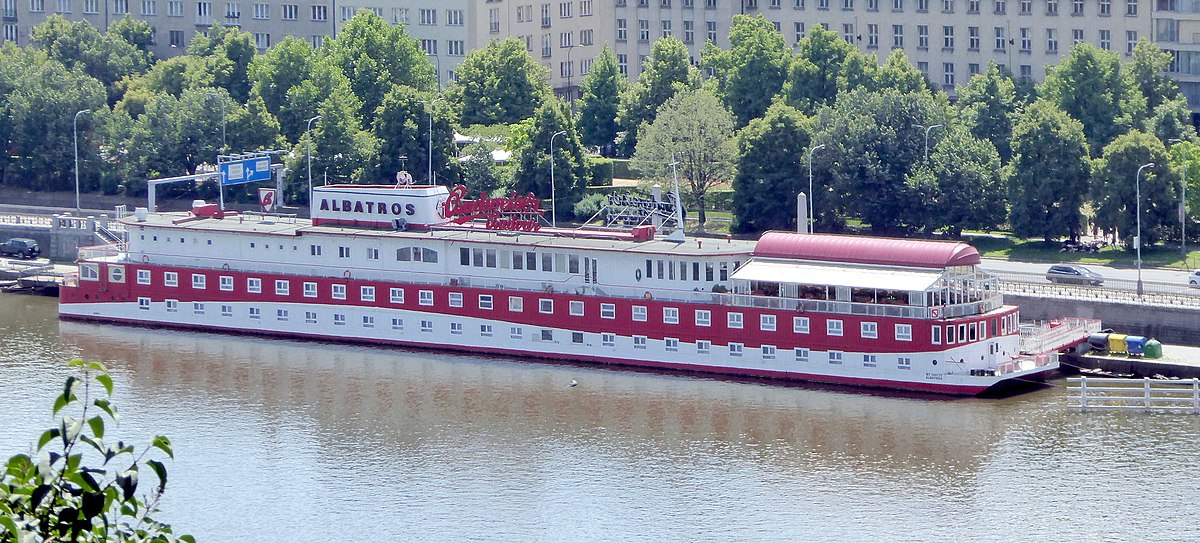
262, 40
1131, 8
1106, 40
872, 36
428, 17
922, 36
320, 13
643, 30
622, 30
425, 297
999, 38
396, 295
833, 327
310, 290
1052, 40
948, 37
1105, 8
1131, 38
972, 38
290, 12
798, 29
948, 74
800, 325
897, 36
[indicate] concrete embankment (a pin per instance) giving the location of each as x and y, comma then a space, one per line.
1168, 324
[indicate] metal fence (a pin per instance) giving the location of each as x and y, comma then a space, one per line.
1115, 394
1113, 290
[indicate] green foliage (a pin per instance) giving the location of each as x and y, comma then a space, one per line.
754, 68
79, 46
225, 54
813, 80
1147, 73
602, 88
694, 129
969, 192
1185, 159
1088, 86
480, 172
275, 73
1115, 188
874, 140
532, 172
499, 83
377, 56
667, 71
1048, 175
1171, 120
601, 169
51, 495
771, 158
588, 206
989, 104
402, 129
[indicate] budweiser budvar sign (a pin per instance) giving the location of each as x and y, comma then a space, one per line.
517, 213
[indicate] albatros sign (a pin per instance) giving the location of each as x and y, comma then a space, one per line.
421, 206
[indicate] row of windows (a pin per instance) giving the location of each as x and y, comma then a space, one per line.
608, 339
998, 7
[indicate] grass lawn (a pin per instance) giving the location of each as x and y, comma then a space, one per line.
1161, 256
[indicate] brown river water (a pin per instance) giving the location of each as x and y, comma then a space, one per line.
282, 441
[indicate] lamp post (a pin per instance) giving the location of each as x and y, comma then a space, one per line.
309, 153
75, 132
553, 208
1183, 202
1137, 240
927, 129
570, 70
222, 102
438, 59
811, 222
430, 105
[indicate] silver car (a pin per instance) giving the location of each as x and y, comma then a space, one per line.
1073, 274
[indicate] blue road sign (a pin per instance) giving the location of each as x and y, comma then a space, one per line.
246, 170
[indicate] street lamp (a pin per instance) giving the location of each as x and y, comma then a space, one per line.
570, 70
1137, 240
75, 132
430, 104
553, 209
811, 222
1183, 202
438, 75
309, 153
927, 129
222, 102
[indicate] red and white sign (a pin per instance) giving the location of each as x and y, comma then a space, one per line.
266, 198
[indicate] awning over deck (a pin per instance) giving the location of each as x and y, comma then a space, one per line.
836, 276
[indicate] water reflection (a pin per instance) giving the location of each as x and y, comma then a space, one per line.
407, 398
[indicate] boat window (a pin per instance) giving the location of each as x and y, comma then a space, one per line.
573, 264
89, 272
477, 258
733, 320
531, 261
547, 261
936, 335
429, 255
833, 327
464, 256
950, 334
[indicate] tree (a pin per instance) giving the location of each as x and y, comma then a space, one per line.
498, 84
53, 495
989, 104
531, 174
1171, 120
274, 73
137, 33
899, 73
969, 189
770, 161
402, 129
874, 140
813, 80
859, 71
225, 54
376, 56
480, 172
602, 88
1115, 188
752, 72
107, 58
1048, 175
1147, 73
667, 71
1185, 158
694, 129
1089, 87
252, 127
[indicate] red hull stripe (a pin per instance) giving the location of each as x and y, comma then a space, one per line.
958, 390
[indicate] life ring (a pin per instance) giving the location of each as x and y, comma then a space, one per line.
346, 274
981, 307
637, 274
225, 266
145, 259
647, 296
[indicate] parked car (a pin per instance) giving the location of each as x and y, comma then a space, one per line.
20, 248
1073, 274
1194, 279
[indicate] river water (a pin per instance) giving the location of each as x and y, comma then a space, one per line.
282, 441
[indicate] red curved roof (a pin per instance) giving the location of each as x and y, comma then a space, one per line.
866, 250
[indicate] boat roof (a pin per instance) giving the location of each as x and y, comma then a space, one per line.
866, 250
562, 238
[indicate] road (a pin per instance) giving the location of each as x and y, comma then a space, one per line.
1159, 275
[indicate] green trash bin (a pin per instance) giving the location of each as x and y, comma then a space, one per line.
1153, 349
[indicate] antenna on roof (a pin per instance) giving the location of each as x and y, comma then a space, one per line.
678, 235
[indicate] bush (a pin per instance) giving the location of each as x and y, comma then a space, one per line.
51, 495
589, 206
601, 170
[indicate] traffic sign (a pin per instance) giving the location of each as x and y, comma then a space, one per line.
247, 170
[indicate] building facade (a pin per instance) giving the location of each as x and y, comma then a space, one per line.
948, 40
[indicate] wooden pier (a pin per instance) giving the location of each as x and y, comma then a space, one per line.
33, 276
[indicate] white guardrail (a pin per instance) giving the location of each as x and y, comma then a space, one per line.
1116, 394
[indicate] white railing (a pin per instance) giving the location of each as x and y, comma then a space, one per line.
1115, 394
109, 252
1056, 334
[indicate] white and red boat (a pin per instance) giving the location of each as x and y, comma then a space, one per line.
421, 266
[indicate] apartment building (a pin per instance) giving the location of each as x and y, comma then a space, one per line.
948, 40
